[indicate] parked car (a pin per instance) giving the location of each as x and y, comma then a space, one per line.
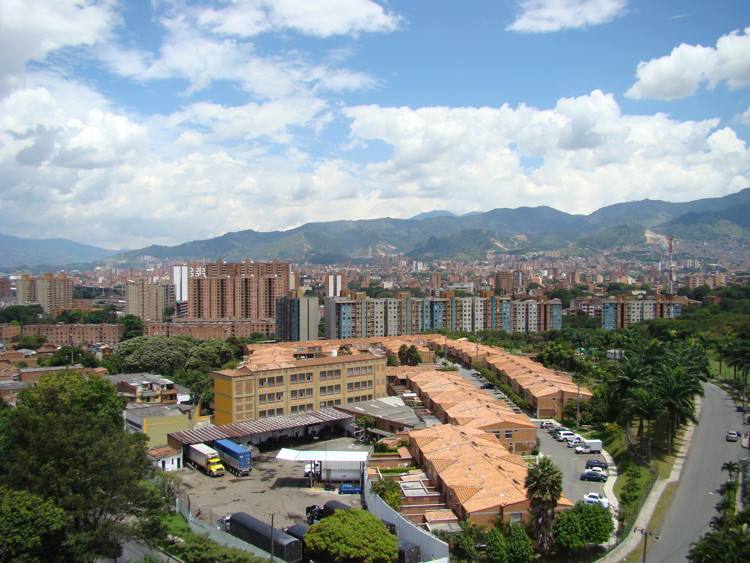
349, 489
486, 386
598, 470
546, 424
589, 475
596, 463
582, 449
596, 498
732, 436
564, 435
575, 441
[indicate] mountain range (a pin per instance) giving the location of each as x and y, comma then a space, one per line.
432, 235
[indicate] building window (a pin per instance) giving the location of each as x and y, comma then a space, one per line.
310, 392
270, 381
270, 398
349, 372
322, 404
337, 389
509, 434
261, 383
357, 386
261, 399
350, 387
369, 384
310, 407
337, 374
308, 377
515, 517
294, 410
330, 403
349, 400
280, 381
330, 390
294, 378
261, 414
279, 412
337, 402
293, 394
322, 390
279, 397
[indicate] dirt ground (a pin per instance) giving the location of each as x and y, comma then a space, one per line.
274, 487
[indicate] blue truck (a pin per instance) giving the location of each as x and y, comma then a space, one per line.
235, 458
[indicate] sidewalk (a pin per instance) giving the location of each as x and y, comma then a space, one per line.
631, 542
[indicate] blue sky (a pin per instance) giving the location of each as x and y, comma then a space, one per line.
124, 124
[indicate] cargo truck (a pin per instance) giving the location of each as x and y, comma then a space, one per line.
235, 458
204, 458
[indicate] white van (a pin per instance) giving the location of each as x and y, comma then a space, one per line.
564, 435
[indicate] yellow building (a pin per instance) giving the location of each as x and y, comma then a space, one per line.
280, 380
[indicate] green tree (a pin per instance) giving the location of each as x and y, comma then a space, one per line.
132, 326
568, 532
32, 528
30, 342
195, 548
389, 491
65, 441
731, 467
463, 545
727, 542
520, 546
678, 388
392, 360
402, 351
23, 314
544, 488
349, 536
596, 522
412, 356
67, 355
497, 546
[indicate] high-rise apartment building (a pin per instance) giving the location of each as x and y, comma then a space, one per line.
361, 317
6, 289
333, 284
297, 319
53, 292
504, 283
148, 300
622, 311
235, 297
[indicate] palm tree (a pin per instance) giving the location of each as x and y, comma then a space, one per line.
544, 488
739, 357
721, 346
646, 404
678, 388
731, 467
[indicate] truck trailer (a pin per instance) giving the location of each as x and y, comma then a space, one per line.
338, 471
204, 458
235, 458
256, 532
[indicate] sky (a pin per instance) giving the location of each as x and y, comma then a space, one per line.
130, 123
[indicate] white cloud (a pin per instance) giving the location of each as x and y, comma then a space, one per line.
680, 73
543, 16
31, 31
322, 18
745, 117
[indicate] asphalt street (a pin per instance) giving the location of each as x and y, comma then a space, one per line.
692, 506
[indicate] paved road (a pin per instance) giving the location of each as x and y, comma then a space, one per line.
693, 504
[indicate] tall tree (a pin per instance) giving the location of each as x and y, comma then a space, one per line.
65, 442
678, 388
544, 488
32, 528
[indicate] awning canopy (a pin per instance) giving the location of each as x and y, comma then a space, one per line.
321, 455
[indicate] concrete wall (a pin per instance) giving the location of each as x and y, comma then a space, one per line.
433, 549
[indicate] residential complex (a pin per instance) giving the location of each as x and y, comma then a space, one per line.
622, 311
277, 380
203, 329
358, 316
54, 292
75, 334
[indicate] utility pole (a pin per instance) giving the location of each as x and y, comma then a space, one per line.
578, 404
646, 533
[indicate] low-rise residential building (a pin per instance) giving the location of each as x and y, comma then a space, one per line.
204, 329
144, 388
76, 334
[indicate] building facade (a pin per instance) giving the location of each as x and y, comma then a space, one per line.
277, 381
146, 300
622, 311
297, 319
54, 292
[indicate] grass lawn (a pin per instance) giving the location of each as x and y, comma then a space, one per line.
656, 522
177, 526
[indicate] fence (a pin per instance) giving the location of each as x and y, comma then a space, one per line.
203, 521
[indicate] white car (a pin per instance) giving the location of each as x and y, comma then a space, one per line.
583, 449
596, 498
577, 441
597, 470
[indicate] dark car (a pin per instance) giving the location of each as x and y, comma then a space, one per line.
487, 386
349, 489
594, 476
596, 463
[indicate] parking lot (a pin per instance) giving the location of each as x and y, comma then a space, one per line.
273, 487
572, 465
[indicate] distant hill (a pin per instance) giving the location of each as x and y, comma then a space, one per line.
15, 251
438, 234
431, 214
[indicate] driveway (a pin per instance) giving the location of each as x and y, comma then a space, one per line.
572, 466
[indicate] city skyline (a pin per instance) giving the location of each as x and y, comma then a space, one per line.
159, 123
